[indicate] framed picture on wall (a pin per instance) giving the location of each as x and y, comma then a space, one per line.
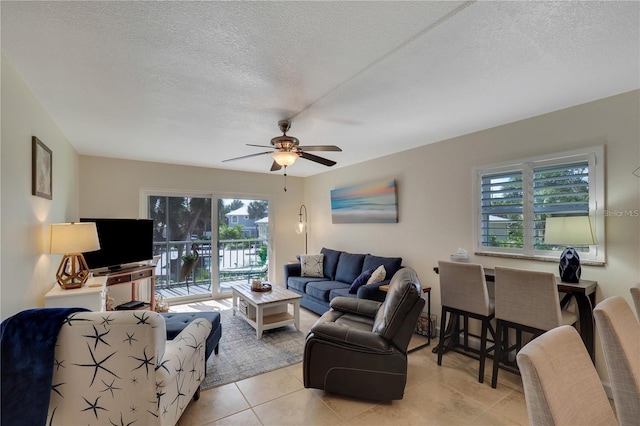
41, 170
374, 202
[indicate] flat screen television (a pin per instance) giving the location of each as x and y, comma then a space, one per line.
122, 241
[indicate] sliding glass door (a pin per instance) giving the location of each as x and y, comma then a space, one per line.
182, 244
204, 244
243, 241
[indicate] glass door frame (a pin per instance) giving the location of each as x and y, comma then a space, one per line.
145, 193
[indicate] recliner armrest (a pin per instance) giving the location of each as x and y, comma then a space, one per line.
350, 336
364, 307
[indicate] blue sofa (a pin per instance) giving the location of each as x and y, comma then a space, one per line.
340, 269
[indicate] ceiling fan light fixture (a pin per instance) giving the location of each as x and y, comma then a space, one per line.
284, 158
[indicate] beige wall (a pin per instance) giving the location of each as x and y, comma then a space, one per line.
435, 193
112, 188
27, 272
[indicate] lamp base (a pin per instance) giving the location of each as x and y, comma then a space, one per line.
73, 271
569, 268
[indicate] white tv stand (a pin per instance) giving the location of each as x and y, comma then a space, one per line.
92, 294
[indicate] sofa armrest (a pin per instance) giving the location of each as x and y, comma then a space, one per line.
350, 336
291, 270
372, 291
364, 307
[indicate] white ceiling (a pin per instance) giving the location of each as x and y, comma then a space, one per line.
193, 82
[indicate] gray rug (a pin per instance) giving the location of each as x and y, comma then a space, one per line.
242, 355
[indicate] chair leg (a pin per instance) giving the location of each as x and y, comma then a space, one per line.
483, 349
497, 354
466, 333
196, 396
443, 323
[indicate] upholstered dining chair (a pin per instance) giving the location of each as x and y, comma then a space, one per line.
619, 332
561, 385
525, 301
359, 347
635, 295
464, 294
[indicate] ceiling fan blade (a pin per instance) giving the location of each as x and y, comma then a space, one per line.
275, 166
317, 159
261, 146
247, 156
320, 148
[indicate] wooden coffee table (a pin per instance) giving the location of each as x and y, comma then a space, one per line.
266, 310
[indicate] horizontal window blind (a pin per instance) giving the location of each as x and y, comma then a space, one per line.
502, 209
559, 190
513, 199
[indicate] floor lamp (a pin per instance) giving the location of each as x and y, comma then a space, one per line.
301, 226
72, 239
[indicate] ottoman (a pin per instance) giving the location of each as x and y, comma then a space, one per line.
177, 321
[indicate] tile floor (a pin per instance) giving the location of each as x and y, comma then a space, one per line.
445, 395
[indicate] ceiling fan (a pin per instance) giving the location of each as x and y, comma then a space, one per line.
285, 150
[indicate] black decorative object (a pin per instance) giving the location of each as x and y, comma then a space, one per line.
570, 266
568, 231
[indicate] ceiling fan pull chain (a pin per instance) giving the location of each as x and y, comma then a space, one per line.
285, 178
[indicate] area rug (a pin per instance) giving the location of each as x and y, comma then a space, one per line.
241, 355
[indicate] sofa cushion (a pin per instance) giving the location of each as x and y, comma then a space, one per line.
349, 267
391, 264
321, 289
330, 262
360, 281
299, 284
344, 292
312, 265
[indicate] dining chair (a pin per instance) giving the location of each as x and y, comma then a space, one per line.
635, 295
525, 301
464, 294
561, 385
619, 332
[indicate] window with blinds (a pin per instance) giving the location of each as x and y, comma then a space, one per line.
502, 214
513, 201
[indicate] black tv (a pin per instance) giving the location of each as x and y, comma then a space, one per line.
122, 241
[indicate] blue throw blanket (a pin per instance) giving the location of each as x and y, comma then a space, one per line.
27, 345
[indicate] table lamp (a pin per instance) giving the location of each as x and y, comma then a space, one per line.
72, 239
568, 231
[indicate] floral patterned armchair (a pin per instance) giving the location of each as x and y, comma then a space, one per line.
118, 368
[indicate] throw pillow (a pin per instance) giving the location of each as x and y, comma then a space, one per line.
360, 281
311, 265
378, 275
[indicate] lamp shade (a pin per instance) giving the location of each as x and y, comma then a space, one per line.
73, 237
571, 230
284, 158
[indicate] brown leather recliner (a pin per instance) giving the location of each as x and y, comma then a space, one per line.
359, 347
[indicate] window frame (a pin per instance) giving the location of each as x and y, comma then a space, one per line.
595, 158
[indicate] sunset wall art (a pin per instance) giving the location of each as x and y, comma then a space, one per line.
367, 203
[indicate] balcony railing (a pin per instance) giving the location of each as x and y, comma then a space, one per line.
238, 260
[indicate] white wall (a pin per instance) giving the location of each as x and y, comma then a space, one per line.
27, 272
111, 188
435, 194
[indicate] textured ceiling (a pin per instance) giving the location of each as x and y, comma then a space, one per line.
193, 82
